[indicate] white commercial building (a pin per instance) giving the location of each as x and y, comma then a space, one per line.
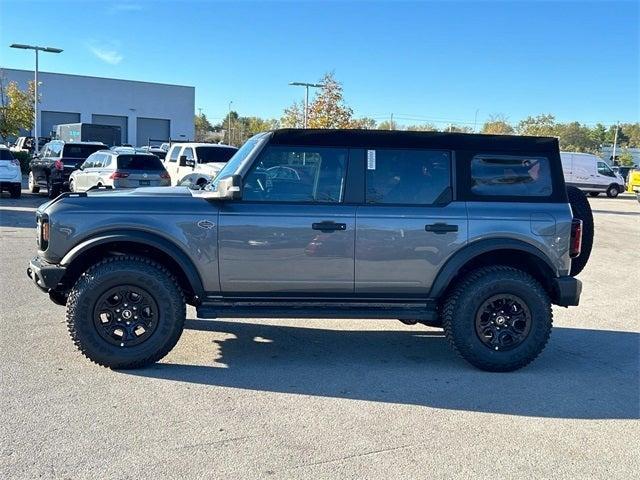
142, 110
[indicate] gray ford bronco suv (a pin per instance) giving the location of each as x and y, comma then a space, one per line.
472, 233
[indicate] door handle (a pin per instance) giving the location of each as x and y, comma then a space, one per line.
440, 228
329, 226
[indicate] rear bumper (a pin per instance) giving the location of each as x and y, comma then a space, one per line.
45, 275
567, 291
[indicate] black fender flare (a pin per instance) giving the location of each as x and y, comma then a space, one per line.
166, 246
474, 249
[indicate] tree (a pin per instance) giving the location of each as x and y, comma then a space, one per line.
498, 125
632, 134
328, 109
16, 108
425, 127
365, 123
625, 159
576, 137
599, 134
542, 125
388, 125
203, 127
293, 116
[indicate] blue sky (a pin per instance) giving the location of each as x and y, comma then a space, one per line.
422, 61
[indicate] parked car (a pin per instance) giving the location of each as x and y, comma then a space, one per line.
591, 174
10, 175
157, 151
119, 168
474, 233
52, 168
27, 144
200, 161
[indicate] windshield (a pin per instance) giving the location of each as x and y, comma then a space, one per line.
139, 162
234, 162
215, 154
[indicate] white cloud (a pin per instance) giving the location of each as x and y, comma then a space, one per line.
107, 54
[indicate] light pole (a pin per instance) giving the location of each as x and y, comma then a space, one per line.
229, 121
35, 99
306, 96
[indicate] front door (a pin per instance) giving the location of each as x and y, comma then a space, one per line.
291, 233
409, 226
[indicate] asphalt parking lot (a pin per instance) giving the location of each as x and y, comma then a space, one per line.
325, 398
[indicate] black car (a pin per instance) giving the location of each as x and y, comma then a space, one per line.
52, 168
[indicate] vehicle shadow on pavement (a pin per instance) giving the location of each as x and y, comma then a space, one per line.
589, 374
17, 218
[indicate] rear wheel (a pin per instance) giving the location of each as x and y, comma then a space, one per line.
33, 187
613, 191
53, 190
16, 191
582, 210
498, 318
72, 186
126, 312
594, 194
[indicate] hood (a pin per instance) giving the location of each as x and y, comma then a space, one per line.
142, 192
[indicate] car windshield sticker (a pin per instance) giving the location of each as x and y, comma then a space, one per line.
371, 159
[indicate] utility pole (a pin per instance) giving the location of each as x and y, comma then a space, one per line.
35, 99
615, 142
306, 97
475, 121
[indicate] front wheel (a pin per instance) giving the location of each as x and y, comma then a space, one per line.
498, 318
53, 190
33, 186
126, 312
72, 186
613, 191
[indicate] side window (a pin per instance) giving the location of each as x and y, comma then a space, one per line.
55, 149
603, 169
297, 174
173, 156
45, 151
410, 177
89, 162
510, 175
188, 152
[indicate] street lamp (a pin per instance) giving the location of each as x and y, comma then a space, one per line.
35, 100
306, 96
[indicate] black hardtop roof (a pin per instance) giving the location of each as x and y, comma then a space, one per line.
407, 139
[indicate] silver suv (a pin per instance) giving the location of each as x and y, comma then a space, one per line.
476, 234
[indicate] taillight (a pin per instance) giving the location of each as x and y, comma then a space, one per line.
116, 175
165, 176
58, 165
576, 238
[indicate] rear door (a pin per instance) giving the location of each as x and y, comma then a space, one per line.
409, 225
291, 233
171, 163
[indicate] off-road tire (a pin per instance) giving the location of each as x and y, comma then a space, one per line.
582, 210
33, 187
15, 191
461, 306
112, 272
613, 191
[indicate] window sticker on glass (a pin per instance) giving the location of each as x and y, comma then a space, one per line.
371, 159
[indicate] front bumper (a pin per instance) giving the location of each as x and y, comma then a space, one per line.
45, 275
567, 291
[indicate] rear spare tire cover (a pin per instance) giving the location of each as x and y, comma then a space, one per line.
582, 210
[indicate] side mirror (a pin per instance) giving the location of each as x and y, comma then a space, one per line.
81, 167
230, 188
182, 161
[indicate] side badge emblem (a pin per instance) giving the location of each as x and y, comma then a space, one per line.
206, 224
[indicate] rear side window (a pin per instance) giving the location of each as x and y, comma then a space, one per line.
80, 151
5, 154
215, 154
510, 176
409, 177
139, 162
173, 156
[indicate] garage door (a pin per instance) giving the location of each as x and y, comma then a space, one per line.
152, 128
116, 120
48, 121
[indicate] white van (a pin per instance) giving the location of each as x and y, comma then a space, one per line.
591, 174
196, 163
